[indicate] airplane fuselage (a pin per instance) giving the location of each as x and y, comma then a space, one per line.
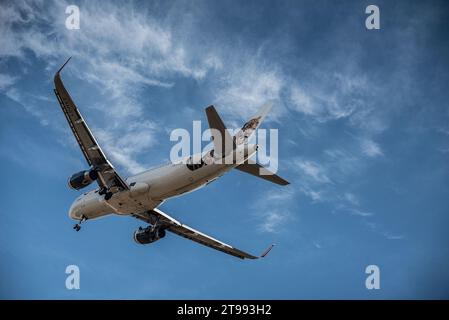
150, 188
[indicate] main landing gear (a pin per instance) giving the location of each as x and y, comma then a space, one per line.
107, 194
77, 226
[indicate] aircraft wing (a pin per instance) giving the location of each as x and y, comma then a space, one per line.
171, 224
108, 177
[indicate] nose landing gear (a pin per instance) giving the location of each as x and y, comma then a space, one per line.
77, 226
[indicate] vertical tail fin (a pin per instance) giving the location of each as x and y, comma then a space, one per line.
223, 142
222, 139
251, 125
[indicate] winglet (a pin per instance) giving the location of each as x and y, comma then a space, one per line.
267, 251
63, 65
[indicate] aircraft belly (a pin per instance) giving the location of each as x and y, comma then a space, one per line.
124, 204
185, 180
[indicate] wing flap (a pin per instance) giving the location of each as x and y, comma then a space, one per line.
192, 234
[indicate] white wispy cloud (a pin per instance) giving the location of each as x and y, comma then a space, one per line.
246, 86
27, 103
317, 245
124, 149
361, 213
333, 96
326, 181
248, 82
368, 120
443, 150
6, 81
351, 198
273, 209
312, 194
443, 130
311, 171
370, 148
303, 102
343, 161
379, 229
272, 220
394, 237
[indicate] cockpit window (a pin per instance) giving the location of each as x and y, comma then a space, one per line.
194, 166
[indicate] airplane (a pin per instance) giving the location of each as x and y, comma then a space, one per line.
140, 196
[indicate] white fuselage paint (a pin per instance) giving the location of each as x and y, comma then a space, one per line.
150, 188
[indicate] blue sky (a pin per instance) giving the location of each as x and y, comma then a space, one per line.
363, 137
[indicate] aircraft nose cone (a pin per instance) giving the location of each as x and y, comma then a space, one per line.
74, 211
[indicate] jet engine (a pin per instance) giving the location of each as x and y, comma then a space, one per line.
82, 179
148, 235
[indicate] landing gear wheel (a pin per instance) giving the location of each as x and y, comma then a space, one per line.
108, 195
103, 191
161, 233
77, 226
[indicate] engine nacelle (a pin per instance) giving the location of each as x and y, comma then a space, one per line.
147, 235
82, 179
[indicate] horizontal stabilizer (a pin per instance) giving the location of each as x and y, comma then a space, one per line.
257, 170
